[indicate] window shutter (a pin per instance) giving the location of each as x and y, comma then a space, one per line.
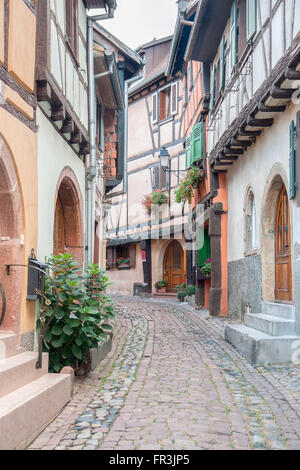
132, 255
234, 34
155, 177
222, 65
163, 179
174, 99
154, 108
110, 257
292, 160
298, 157
197, 142
213, 88
251, 18
188, 152
68, 12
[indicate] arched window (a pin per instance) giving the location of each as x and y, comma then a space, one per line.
250, 224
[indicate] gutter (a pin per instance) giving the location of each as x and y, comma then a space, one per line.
197, 21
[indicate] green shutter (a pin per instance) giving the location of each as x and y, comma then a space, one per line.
251, 18
197, 142
292, 160
213, 88
234, 34
188, 152
203, 247
222, 64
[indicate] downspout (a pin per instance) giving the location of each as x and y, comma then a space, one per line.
91, 172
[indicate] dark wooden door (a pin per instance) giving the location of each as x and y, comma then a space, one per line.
283, 267
174, 266
59, 242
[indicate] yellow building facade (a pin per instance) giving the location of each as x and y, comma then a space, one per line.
18, 162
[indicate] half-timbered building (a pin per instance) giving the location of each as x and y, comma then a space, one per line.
249, 50
145, 248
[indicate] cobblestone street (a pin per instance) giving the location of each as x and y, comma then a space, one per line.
172, 382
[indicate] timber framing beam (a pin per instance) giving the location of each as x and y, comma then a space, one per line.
62, 116
270, 100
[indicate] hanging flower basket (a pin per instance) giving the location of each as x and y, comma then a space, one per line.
191, 181
205, 271
154, 200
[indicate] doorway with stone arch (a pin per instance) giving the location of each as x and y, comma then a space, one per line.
68, 217
276, 246
174, 265
11, 245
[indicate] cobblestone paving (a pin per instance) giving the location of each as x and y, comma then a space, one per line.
172, 382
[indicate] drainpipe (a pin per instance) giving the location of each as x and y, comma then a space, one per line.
91, 172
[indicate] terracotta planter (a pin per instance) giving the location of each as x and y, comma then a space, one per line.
162, 290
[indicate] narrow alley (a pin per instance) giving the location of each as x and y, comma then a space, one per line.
172, 382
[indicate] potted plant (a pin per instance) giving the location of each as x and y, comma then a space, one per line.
206, 269
161, 286
122, 262
191, 181
155, 199
181, 294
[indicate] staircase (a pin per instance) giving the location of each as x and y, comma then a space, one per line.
268, 337
29, 398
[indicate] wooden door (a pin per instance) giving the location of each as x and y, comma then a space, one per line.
174, 266
59, 242
283, 267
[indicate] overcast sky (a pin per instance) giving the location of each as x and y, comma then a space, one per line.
137, 22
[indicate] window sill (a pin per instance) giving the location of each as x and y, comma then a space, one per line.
123, 268
165, 121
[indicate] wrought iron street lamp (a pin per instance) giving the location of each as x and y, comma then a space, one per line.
164, 158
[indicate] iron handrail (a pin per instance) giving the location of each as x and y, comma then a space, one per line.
3, 296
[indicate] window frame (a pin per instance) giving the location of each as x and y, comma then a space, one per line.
72, 23
156, 117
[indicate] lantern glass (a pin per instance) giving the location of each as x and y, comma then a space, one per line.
164, 158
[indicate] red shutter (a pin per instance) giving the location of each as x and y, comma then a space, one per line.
110, 257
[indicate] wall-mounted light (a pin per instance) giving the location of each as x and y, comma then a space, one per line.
164, 158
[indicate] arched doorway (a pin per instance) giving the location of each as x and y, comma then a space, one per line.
283, 266
11, 246
276, 241
174, 266
68, 227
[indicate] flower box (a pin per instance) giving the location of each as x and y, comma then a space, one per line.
202, 276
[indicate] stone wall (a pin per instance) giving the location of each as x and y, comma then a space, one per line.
244, 286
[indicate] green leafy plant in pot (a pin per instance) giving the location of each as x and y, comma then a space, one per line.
161, 286
80, 322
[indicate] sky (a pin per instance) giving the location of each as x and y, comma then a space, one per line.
137, 22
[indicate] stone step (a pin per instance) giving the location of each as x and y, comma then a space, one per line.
260, 348
19, 370
269, 324
25, 412
8, 345
279, 310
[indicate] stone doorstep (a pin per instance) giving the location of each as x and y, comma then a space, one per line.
27, 410
269, 324
8, 345
19, 370
260, 348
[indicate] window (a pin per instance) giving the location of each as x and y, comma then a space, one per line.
243, 26
164, 103
250, 224
71, 9
122, 256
